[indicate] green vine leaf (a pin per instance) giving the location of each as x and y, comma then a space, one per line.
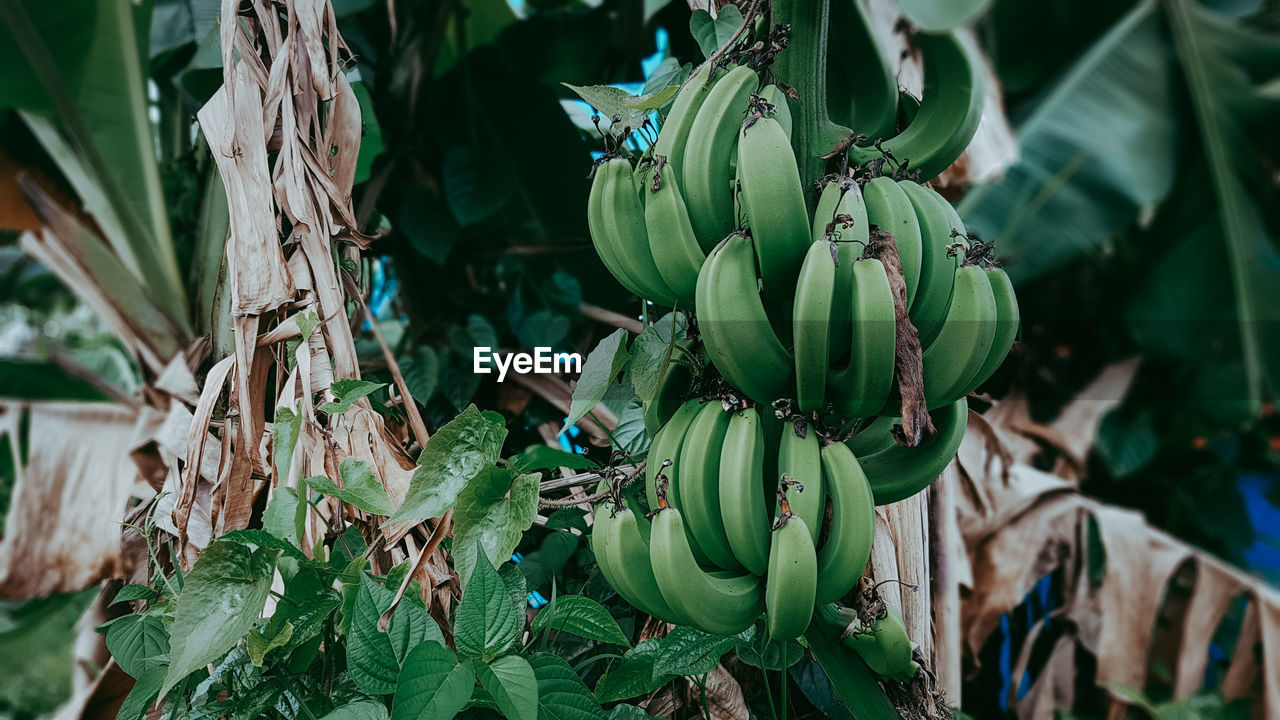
491, 515
433, 685
222, 597
374, 657
346, 392
363, 710
360, 487
580, 616
134, 639
513, 686
561, 693
452, 457
598, 372
688, 651
486, 622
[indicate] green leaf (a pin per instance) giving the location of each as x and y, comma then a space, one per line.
286, 515
143, 695
474, 192
561, 693
654, 354
1219, 58
633, 675
264, 539
630, 435
516, 588
66, 29
610, 102
374, 657
433, 686
623, 711
101, 138
1097, 151
371, 138
669, 73
363, 710
478, 332
486, 622
222, 597
421, 371
937, 16
453, 456
135, 592
135, 638
653, 100
580, 616
491, 515
568, 518
598, 372
284, 437
260, 642
813, 682
1127, 442
711, 34
687, 651
545, 457
541, 565
360, 487
759, 651
513, 686
347, 391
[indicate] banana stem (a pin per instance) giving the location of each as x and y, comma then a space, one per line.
803, 66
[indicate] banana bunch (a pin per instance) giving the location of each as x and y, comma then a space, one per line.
761, 498
737, 527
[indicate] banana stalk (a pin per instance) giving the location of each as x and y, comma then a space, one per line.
803, 66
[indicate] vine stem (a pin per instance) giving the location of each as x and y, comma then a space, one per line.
803, 66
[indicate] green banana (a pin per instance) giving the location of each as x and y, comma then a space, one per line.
875, 436
622, 232
862, 387
828, 198
811, 325
950, 109
937, 264
889, 208
724, 605
898, 472
674, 135
743, 506
773, 95
966, 338
862, 85
792, 580
666, 447
735, 327
674, 247
852, 234
885, 647
844, 555
700, 483
800, 459
620, 541
1008, 321
595, 225
773, 199
705, 172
